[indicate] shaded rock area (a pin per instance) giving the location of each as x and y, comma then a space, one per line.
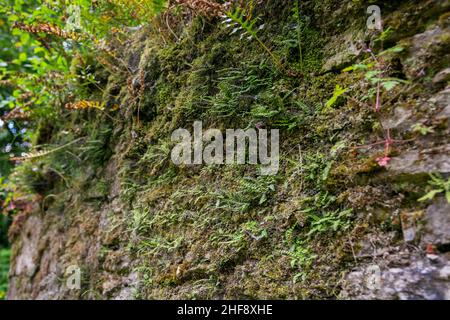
59, 243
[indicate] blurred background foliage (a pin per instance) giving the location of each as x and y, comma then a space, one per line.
40, 41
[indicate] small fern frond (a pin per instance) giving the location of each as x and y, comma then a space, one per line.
49, 29
32, 155
85, 104
239, 19
43, 153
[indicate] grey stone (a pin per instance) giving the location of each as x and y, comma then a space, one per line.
430, 160
423, 47
437, 218
442, 76
344, 50
444, 273
409, 234
399, 120
420, 279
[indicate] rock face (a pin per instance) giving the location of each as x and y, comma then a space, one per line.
129, 224
406, 272
437, 224
424, 161
422, 278
78, 242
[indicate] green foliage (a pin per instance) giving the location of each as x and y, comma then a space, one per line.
439, 185
141, 10
255, 230
4, 272
338, 92
237, 89
301, 256
241, 20
387, 83
330, 222
39, 64
422, 129
322, 215
316, 166
251, 193
375, 76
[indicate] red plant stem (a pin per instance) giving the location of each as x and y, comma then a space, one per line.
388, 141
392, 142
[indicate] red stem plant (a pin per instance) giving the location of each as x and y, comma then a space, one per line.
384, 160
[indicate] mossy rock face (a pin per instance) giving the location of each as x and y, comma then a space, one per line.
138, 226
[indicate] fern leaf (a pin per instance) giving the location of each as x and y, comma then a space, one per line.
43, 153
32, 155
85, 104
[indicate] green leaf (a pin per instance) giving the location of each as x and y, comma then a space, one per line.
348, 69
263, 199
338, 91
13, 18
370, 75
327, 170
38, 50
356, 67
389, 85
24, 38
430, 195
23, 57
396, 49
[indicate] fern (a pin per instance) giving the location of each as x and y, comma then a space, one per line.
439, 186
84, 104
242, 21
49, 29
43, 153
338, 92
